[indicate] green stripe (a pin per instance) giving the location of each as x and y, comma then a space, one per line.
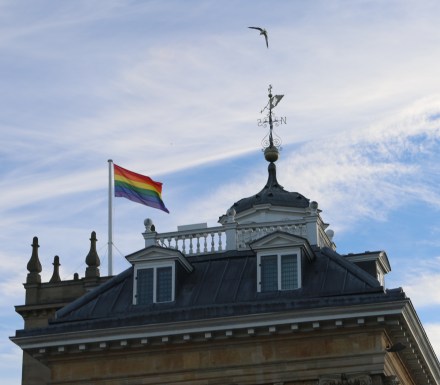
138, 190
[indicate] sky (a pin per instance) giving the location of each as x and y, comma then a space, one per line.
174, 90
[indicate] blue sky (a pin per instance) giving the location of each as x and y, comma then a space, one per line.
173, 90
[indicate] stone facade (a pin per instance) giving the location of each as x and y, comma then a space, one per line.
315, 357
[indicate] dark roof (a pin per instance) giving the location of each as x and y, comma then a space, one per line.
272, 193
221, 285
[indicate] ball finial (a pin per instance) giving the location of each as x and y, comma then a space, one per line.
271, 154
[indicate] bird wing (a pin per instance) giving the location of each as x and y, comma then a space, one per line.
260, 29
267, 42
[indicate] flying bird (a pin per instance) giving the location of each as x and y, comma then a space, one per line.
262, 32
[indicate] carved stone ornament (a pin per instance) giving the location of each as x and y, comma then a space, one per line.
346, 379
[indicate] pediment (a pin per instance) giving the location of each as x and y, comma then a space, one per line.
269, 213
282, 240
155, 254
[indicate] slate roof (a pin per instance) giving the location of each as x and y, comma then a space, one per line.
272, 193
222, 285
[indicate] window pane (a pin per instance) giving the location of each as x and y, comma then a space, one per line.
144, 286
289, 272
164, 284
269, 273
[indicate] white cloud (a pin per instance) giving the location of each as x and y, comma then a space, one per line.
433, 332
420, 281
422, 288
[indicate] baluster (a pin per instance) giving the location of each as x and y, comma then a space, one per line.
220, 241
183, 244
212, 242
205, 243
190, 244
198, 243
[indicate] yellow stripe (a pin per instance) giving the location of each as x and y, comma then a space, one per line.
137, 184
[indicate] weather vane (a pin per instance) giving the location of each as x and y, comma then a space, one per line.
271, 142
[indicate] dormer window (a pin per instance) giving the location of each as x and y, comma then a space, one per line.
154, 284
279, 259
279, 271
156, 274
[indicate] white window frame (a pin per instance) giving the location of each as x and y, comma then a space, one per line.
154, 266
279, 253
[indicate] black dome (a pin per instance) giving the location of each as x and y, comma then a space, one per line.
274, 194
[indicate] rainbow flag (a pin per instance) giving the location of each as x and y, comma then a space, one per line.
138, 188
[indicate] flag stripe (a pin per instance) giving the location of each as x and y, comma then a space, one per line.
151, 201
144, 193
141, 185
134, 177
138, 188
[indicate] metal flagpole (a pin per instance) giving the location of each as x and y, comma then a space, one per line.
110, 219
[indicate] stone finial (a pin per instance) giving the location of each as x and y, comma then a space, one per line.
314, 207
56, 270
149, 226
230, 214
92, 259
34, 265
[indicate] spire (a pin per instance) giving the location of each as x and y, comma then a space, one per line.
56, 270
34, 265
92, 259
272, 177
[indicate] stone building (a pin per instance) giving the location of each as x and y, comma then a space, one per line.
263, 298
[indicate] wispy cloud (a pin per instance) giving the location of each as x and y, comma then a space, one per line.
163, 87
368, 172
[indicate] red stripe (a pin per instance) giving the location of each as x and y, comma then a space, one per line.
136, 177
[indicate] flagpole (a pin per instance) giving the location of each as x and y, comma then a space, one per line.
110, 218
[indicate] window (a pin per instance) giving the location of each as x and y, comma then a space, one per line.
145, 286
269, 273
278, 272
164, 284
154, 284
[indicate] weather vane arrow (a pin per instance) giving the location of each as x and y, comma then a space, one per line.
270, 141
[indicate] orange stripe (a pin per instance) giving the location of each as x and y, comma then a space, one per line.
135, 177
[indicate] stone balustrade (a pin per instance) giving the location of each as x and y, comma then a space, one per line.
199, 241
231, 236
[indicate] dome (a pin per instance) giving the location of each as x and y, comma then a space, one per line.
272, 193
